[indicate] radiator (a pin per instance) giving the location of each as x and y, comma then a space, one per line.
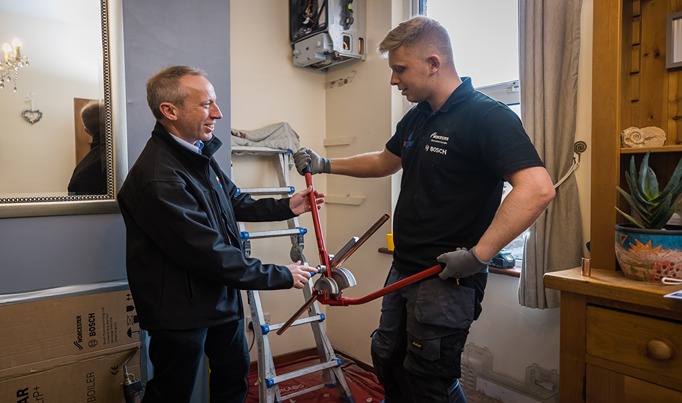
482, 385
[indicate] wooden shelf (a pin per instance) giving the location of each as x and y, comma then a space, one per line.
631, 87
614, 286
643, 150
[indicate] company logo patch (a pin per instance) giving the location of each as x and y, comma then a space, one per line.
437, 150
436, 138
79, 332
409, 142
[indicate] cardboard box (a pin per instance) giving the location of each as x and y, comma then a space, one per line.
98, 379
69, 326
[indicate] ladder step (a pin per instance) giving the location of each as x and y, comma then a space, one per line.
267, 191
258, 150
270, 381
286, 398
303, 371
301, 321
272, 233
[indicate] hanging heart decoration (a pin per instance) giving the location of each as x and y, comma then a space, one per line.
32, 116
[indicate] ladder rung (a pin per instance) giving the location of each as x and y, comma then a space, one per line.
272, 233
269, 385
302, 321
303, 392
258, 150
303, 371
267, 191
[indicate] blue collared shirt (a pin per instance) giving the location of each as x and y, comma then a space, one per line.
196, 147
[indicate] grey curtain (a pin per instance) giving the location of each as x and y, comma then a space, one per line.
549, 48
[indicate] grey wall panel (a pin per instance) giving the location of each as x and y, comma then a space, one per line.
45, 252
176, 32
160, 33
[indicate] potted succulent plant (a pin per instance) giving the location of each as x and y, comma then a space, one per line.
646, 249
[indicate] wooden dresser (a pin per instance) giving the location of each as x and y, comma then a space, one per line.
621, 341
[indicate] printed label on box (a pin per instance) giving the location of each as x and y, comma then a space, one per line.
52, 328
97, 379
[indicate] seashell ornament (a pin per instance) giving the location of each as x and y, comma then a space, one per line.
634, 137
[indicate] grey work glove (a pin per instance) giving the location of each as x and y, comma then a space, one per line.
460, 263
305, 159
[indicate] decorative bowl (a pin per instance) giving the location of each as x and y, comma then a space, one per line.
649, 254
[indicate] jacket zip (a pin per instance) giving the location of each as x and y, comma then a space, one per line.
221, 214
223, 228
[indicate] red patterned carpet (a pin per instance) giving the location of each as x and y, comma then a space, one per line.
363, 384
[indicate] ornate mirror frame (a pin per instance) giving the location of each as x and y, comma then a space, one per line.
115, 134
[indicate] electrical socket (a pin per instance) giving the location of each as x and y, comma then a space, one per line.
249, 323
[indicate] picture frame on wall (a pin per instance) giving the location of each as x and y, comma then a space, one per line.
673, 58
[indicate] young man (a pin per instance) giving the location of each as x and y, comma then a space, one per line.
456, 148
184, 262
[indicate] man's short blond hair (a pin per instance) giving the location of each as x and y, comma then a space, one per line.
164, 86
419, 32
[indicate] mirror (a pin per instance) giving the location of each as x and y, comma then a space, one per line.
74, 50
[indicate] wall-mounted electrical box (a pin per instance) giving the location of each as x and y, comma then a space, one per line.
324, 33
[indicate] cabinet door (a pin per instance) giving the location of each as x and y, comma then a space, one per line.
606, 386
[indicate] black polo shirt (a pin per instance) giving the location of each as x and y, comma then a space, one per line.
453, 162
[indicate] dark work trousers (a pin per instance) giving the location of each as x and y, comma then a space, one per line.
416, 350
176, 355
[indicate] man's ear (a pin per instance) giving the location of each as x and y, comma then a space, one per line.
168, 110
434, 62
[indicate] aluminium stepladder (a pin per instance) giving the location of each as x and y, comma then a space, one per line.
329, 365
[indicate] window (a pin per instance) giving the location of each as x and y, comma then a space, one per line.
485, 42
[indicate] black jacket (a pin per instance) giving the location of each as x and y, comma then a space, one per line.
184, 263
90, 175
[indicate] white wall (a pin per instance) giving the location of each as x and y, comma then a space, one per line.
267, 89
362, 109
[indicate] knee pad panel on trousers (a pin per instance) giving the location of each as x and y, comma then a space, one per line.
391, 375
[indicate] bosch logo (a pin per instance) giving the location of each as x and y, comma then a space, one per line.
437, 150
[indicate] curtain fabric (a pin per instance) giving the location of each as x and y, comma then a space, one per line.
549, 48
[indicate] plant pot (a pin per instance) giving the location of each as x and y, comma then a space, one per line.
649, 254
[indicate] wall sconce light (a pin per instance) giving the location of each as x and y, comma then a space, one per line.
11, 63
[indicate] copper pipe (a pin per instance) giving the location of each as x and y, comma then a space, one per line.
337, 260
585, 269
296, 315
